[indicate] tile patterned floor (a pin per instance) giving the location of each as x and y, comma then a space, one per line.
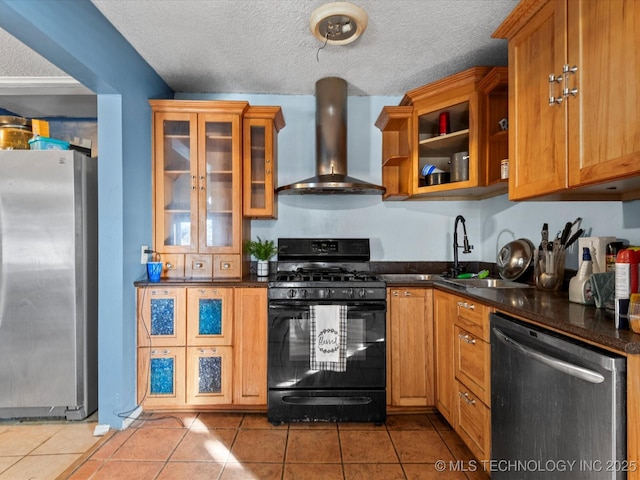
239, 446
43, 450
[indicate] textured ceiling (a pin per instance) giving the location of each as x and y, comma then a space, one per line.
265, 46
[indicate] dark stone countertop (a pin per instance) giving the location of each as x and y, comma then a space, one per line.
548, 309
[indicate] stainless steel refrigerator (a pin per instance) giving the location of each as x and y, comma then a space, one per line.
48, 284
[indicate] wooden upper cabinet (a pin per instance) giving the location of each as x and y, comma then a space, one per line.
260, 142
573, 108
604, 142
395, 123
411, 139
197, 187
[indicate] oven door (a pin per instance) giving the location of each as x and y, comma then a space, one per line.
289, 347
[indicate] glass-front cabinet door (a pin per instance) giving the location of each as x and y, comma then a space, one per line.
209, 316
161, 316
209, 375
175, 182
219, 188
161, 376
260, 152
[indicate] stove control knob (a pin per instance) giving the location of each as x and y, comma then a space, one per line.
291, 293
327, 292
350, 293
303, 293
362, 293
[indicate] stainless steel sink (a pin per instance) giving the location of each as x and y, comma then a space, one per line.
409, 277
485, 283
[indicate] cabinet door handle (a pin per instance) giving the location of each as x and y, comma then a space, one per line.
193, 182
199, 265
553, 79
395, 293
467, 338
204, 350
160, 352
407, 294
170, 266
201, 182
468, 306
567, 70
466, 398
156, 292
226, 266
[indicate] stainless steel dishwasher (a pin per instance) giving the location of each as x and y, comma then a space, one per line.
558, 406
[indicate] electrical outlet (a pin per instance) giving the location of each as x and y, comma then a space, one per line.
144, 256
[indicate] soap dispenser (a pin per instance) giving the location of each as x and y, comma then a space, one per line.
580, 285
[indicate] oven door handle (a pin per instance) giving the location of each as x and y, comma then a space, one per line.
351, 307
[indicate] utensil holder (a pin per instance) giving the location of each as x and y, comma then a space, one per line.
548, 269
154, 271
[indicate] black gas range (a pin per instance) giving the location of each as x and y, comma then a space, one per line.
327, 353
336, 269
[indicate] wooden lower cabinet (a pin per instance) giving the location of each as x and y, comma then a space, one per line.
216, 347
443, 315
161, 376
463, 368
250, 347
209, 375
410, 342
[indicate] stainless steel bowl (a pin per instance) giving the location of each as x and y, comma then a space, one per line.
515, 259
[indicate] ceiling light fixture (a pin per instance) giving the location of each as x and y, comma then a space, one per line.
338, 23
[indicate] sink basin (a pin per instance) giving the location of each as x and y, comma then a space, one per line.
409, 277
485, 283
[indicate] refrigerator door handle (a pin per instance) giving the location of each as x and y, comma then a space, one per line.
555, 363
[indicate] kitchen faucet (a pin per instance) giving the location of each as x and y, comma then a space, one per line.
457, 269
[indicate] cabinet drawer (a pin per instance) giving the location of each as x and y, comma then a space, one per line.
474, 423
173, 265
473, 317
227, 266
198, 266
472, 363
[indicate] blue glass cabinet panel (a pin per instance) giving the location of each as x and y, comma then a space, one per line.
210, 316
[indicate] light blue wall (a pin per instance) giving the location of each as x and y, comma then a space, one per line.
74, 36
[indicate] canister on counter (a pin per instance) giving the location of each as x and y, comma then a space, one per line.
626, 281
612, 252
504, 169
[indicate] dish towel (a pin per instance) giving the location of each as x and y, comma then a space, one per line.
328, 329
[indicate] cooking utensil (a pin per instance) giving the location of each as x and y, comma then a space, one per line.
565, 233
437, 178
459, 166
545, 237
573, 238
515, 259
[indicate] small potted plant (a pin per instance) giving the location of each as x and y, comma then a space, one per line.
262, 250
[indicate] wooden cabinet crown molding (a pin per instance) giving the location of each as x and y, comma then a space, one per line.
210, 106
519, 16
449, 84
274, 113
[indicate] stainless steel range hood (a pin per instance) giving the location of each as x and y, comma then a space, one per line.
331, 147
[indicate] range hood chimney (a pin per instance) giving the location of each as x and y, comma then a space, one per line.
331, 147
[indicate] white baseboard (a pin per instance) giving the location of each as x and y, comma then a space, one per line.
126, 423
